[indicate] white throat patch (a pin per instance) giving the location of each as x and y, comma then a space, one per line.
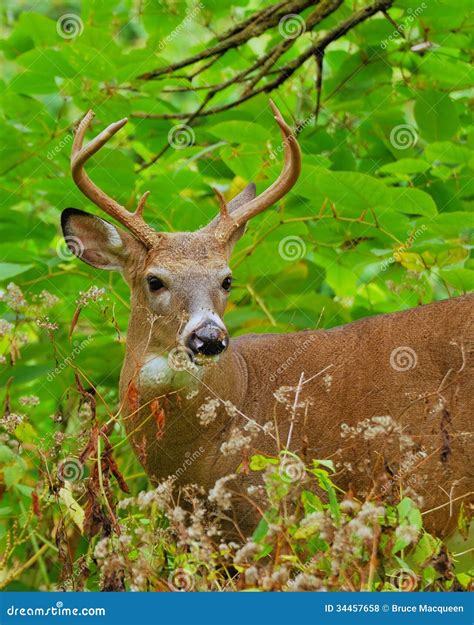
161, 370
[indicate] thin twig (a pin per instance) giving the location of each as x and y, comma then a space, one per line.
254, 27
285, 72
293, 410
261, 304
319, 57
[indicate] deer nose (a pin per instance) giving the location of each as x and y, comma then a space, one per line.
209, 340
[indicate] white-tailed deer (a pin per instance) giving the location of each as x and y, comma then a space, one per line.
386, 398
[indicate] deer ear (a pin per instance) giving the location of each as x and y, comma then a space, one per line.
96, 241
239, 200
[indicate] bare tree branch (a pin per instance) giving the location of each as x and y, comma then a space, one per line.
260, 23
319, 57
285, 72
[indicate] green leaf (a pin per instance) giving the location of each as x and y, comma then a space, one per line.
326, 484
406, 166
343, 281
329, 464
464, 579
6, 454
448, 152
5, 511
411, 261
241, 132
304, 533
425, 549
415, 518
404, 508
259, 462
353, 194
412, 202
452, 256
429, 574
71, 506
8, 270
260, 531
311, 502
461, 279
450, 225
34, 83
13, 473
436, 116
26, 433
47, 63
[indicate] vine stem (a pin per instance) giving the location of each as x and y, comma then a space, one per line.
101, 484
308, 218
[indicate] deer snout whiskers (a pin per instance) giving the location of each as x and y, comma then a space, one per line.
208, 339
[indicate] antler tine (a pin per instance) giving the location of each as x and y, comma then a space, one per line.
281, 186
223, 210
80, 155
141, 204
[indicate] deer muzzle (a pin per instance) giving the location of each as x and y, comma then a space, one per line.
208, 340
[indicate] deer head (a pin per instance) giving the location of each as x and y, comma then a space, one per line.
182, 278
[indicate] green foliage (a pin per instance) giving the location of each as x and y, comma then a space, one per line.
380, 220
307, 539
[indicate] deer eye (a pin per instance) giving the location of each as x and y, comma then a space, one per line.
154, 283
226, 284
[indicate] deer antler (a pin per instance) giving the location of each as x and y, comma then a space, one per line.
228, 222
132, 221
